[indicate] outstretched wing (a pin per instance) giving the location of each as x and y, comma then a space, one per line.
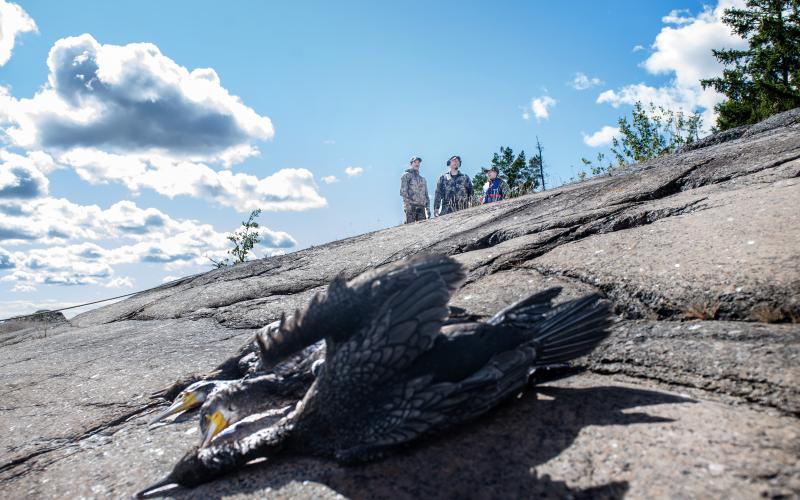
404, 326
338, 313
418, 407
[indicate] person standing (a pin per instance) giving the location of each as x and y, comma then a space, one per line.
453, 190
414, 191
495, 189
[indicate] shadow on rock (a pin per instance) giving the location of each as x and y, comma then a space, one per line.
493, 457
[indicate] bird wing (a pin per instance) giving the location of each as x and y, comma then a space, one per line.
339, 312
404, 326
418, 407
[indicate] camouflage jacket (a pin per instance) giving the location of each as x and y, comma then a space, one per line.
414, 190
452, 193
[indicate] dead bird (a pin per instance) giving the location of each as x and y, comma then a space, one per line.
292, 346
399, 373
239, 368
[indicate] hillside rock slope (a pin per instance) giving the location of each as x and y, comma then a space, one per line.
694, 395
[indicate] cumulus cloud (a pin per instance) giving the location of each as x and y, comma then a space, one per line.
353, 171
683, 50
602, 137
329, 179
122, 234
583, 82
286, 189
21, 181
541, 107
6, 262
128, 114
637, 48
13, 22
133, 98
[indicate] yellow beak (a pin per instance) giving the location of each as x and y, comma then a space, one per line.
185, 402
217, 422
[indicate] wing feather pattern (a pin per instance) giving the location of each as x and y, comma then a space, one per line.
346, 306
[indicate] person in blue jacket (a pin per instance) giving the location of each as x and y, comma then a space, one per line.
495, 189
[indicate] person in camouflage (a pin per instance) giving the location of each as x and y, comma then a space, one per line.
453, 190
414, 191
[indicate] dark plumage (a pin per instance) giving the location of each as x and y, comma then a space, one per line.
393, 372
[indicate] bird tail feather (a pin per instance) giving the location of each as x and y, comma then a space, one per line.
572, 329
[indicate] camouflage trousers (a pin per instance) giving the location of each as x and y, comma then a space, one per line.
415, 213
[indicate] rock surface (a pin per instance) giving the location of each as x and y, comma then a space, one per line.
694, 395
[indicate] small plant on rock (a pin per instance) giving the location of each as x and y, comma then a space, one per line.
244, 239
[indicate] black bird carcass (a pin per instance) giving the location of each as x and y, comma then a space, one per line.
393, 371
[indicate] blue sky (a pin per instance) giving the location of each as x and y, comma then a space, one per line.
158, 126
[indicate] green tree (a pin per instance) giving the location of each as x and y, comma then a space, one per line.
478, 180
536, 166
651, 133
762, 80
654, 132
521, 174
244, 239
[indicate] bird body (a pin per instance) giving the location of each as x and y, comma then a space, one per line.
395, 372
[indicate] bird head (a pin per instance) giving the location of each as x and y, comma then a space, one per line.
240, 400
227, 406
200, 465
190, 398
216, 418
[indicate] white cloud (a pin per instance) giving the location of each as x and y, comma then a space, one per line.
120, 282
132, 98
637, 48
583, 82
353, 171
13, 22
600, 138
329, 179
20, 179
678, 16
329, 141
286, 189
684, 51
541, 107
80, 245
131, 115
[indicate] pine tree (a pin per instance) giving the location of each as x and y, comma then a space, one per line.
762, 80
519, 173
536, 166
515, 174
478, 180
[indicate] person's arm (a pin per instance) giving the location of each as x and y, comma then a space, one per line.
438, 196
427, 198
404, 180
485, 189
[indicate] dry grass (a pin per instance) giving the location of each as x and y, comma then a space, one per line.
766, 313
705, 310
